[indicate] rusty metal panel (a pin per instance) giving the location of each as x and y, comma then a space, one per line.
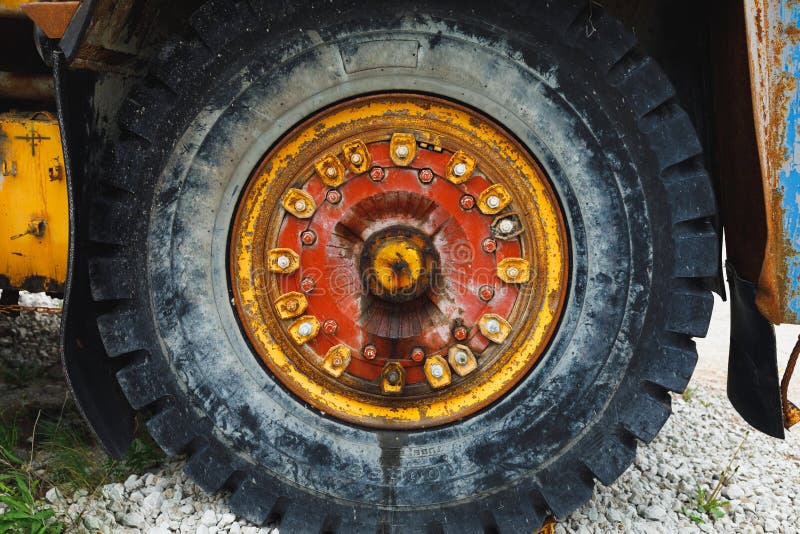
774, 50
33, 203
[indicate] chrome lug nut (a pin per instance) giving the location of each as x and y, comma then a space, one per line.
356, 158
393, 377
331, 172
301, 205
506, 226
283, 262
493, 326
512, 272
401, 151
460, 169
305, 329
437, 371
461, 358
493, 201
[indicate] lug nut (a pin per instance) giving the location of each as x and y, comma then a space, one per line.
330, 327
461, 358
437, 371
300, 206
426, 176
291, 305
460, 169
489, 245
506, 226
512, 272
370, 352
283, 262
493, 326
486, 293
337, 361
307, 284
493, 201
467, 202
460, 333
401, 151
331, 172
376, 174
356, 158
305, 329
417, 354
308, 237
393, 377
333, 196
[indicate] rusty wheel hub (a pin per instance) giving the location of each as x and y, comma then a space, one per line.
398, 261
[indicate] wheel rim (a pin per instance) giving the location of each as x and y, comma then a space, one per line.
398, 261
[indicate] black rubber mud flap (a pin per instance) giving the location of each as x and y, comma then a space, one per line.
89, 372
753, 386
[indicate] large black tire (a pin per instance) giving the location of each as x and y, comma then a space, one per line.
623, 158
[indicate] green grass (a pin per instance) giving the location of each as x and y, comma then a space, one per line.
19, 489
62, 455
708, 505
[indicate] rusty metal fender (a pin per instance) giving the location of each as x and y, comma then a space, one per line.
773, 39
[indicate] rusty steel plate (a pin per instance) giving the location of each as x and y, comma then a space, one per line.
398, 261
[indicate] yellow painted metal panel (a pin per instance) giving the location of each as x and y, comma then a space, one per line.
34, 230
11, 8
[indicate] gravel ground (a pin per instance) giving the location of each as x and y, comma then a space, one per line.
692, 450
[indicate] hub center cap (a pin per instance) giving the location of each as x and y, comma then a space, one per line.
398, 261
399, 264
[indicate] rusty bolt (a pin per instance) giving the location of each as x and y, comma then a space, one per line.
330, 327
333, 196
307, 284
331, 172
426, 176
393, 377
376, 174
291, 305
489, 245
486, 293
308, 237
417, 354
337, 361
460, 333
300, 205
370, 352
467, 202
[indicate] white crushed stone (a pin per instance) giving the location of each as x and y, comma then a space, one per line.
692, 449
